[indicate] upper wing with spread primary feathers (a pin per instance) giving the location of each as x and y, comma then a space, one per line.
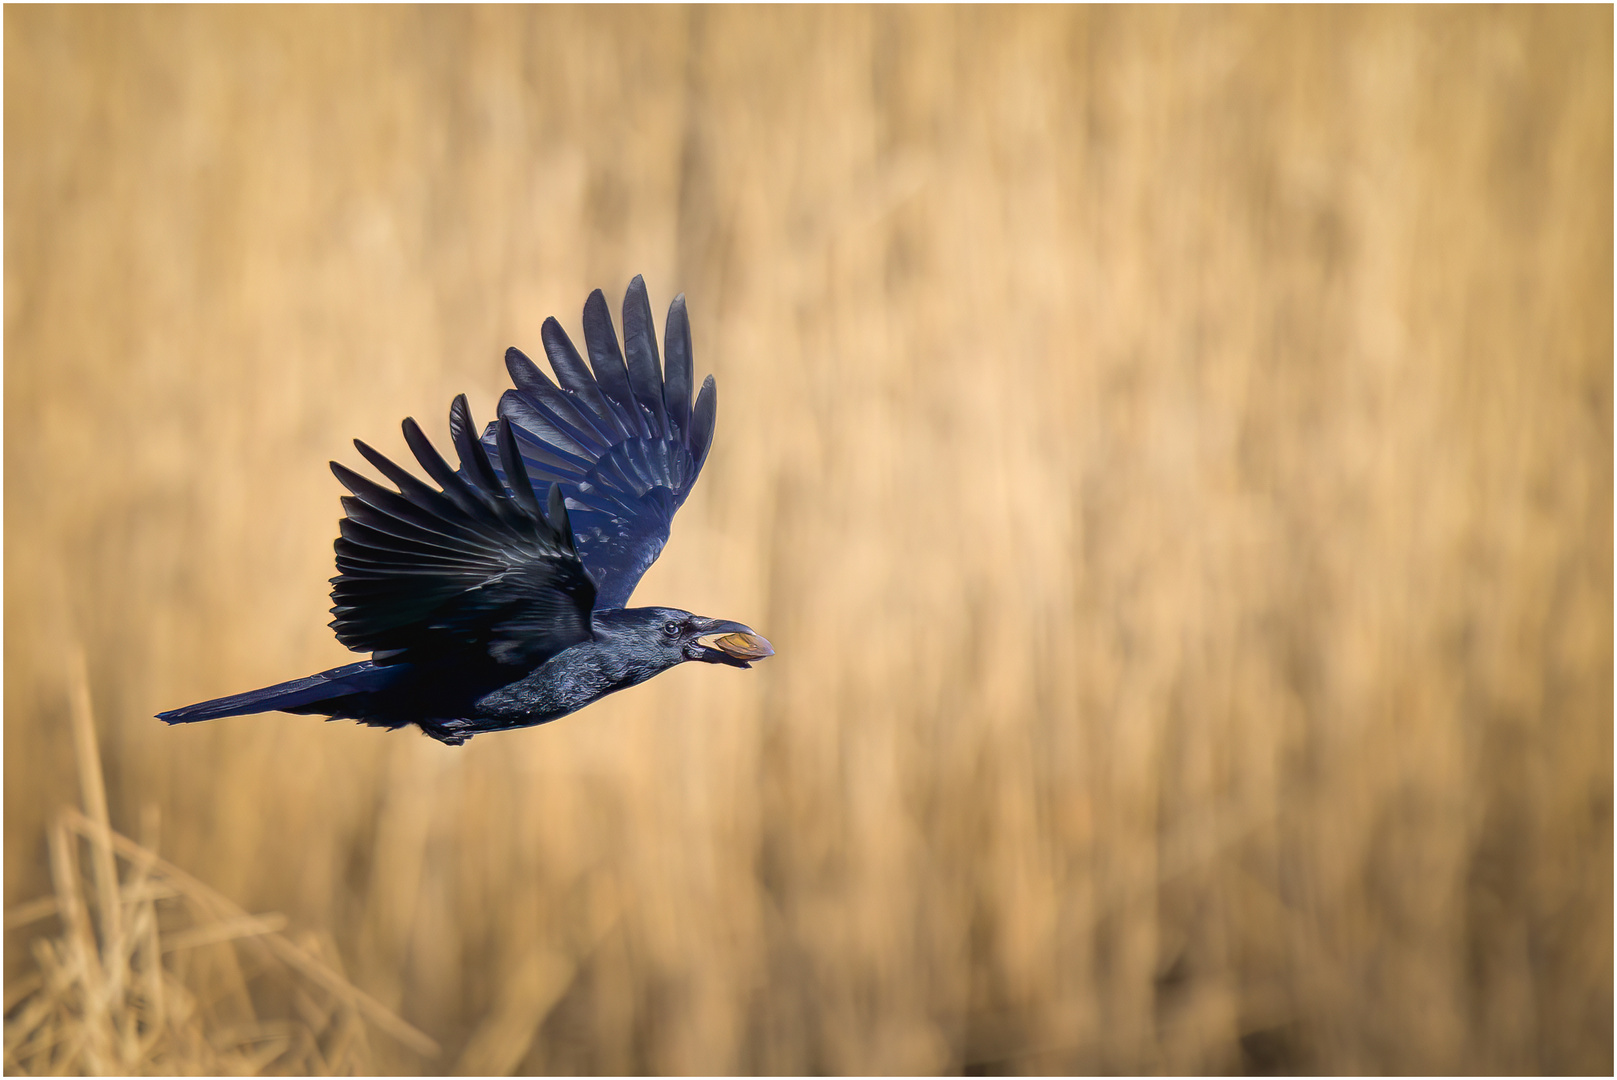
620, 436
469, 568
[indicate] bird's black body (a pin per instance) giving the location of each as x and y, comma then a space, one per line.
484, 610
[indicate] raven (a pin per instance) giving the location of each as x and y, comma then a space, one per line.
496, 599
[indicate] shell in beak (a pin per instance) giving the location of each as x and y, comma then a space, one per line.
743, 646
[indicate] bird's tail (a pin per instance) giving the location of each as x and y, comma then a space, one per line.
333, 693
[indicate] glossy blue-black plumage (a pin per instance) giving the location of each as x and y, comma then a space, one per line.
422, 573
620, 437
497, 599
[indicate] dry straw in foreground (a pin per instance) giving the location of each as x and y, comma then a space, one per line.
150, 971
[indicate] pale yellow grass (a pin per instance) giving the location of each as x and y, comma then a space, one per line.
152, 972
1170, 449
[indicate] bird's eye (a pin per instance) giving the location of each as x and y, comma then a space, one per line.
671, 629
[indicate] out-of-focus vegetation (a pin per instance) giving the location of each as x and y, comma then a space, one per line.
154, 973
1171, 451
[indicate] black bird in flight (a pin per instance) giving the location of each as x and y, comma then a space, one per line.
497, 599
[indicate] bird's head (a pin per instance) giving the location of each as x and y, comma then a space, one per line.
679, 636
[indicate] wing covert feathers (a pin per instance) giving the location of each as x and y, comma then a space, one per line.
470, 567
619, 437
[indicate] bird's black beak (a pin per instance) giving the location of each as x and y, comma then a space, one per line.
720, 642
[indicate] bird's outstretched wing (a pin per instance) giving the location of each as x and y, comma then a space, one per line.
467, 569
623, 441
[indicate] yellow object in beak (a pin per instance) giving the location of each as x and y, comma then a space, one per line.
744, 646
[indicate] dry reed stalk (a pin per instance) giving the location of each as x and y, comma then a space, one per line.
103, 1001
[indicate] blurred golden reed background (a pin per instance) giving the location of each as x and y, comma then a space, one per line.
1170, 449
